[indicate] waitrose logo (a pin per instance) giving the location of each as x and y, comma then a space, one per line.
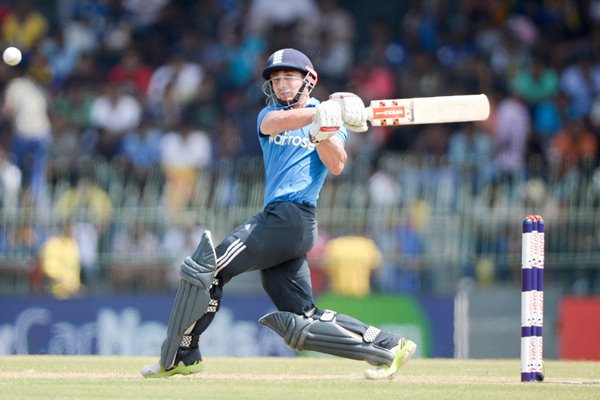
289, 140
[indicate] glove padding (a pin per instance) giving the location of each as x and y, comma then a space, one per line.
354, 113
326, 121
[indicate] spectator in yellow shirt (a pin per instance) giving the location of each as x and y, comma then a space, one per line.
86, 200
349, 262
24, 27
60, 263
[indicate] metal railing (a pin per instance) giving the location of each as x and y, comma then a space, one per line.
434, 229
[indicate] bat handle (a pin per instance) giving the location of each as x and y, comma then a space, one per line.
369, 112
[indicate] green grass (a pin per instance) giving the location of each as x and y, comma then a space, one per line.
92, 377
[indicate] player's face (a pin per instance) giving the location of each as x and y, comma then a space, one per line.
286, 84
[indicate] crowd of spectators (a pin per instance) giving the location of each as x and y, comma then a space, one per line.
166, 88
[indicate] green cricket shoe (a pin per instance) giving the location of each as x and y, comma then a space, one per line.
402, 353
187, 362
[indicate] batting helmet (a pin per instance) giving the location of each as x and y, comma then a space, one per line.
285, 59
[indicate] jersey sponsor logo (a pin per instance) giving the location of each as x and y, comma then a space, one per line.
290, 140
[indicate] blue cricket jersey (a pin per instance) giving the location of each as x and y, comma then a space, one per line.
293, 170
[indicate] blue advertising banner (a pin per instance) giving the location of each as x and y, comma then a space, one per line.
129, 325
136, 324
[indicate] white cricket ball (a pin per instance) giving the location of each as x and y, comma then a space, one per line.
12, 56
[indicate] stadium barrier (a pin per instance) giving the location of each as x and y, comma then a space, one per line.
432, 225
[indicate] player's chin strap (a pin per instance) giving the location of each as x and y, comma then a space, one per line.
328, 332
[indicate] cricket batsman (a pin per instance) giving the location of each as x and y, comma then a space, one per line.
302, 140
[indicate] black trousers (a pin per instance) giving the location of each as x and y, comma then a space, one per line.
274, 241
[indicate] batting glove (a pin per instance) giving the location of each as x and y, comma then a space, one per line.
354, 112
326, 121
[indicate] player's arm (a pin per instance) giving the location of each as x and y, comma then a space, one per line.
279, 121
332, 154
325, 124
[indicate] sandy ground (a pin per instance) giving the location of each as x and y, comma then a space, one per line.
442, 380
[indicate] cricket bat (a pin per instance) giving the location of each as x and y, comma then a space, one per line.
429, 110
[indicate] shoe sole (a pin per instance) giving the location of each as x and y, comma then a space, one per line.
179, 370
402, 356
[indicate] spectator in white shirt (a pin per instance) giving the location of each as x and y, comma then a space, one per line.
174, 85
114, 113
512, 130
183, 154
26, 106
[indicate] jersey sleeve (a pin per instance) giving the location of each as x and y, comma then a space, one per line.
261, 116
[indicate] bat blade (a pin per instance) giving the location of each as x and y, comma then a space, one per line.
429, 110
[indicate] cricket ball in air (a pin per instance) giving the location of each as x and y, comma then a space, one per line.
12, 56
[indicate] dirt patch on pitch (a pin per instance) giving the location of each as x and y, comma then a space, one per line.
410, 379
449, 380
33, 374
